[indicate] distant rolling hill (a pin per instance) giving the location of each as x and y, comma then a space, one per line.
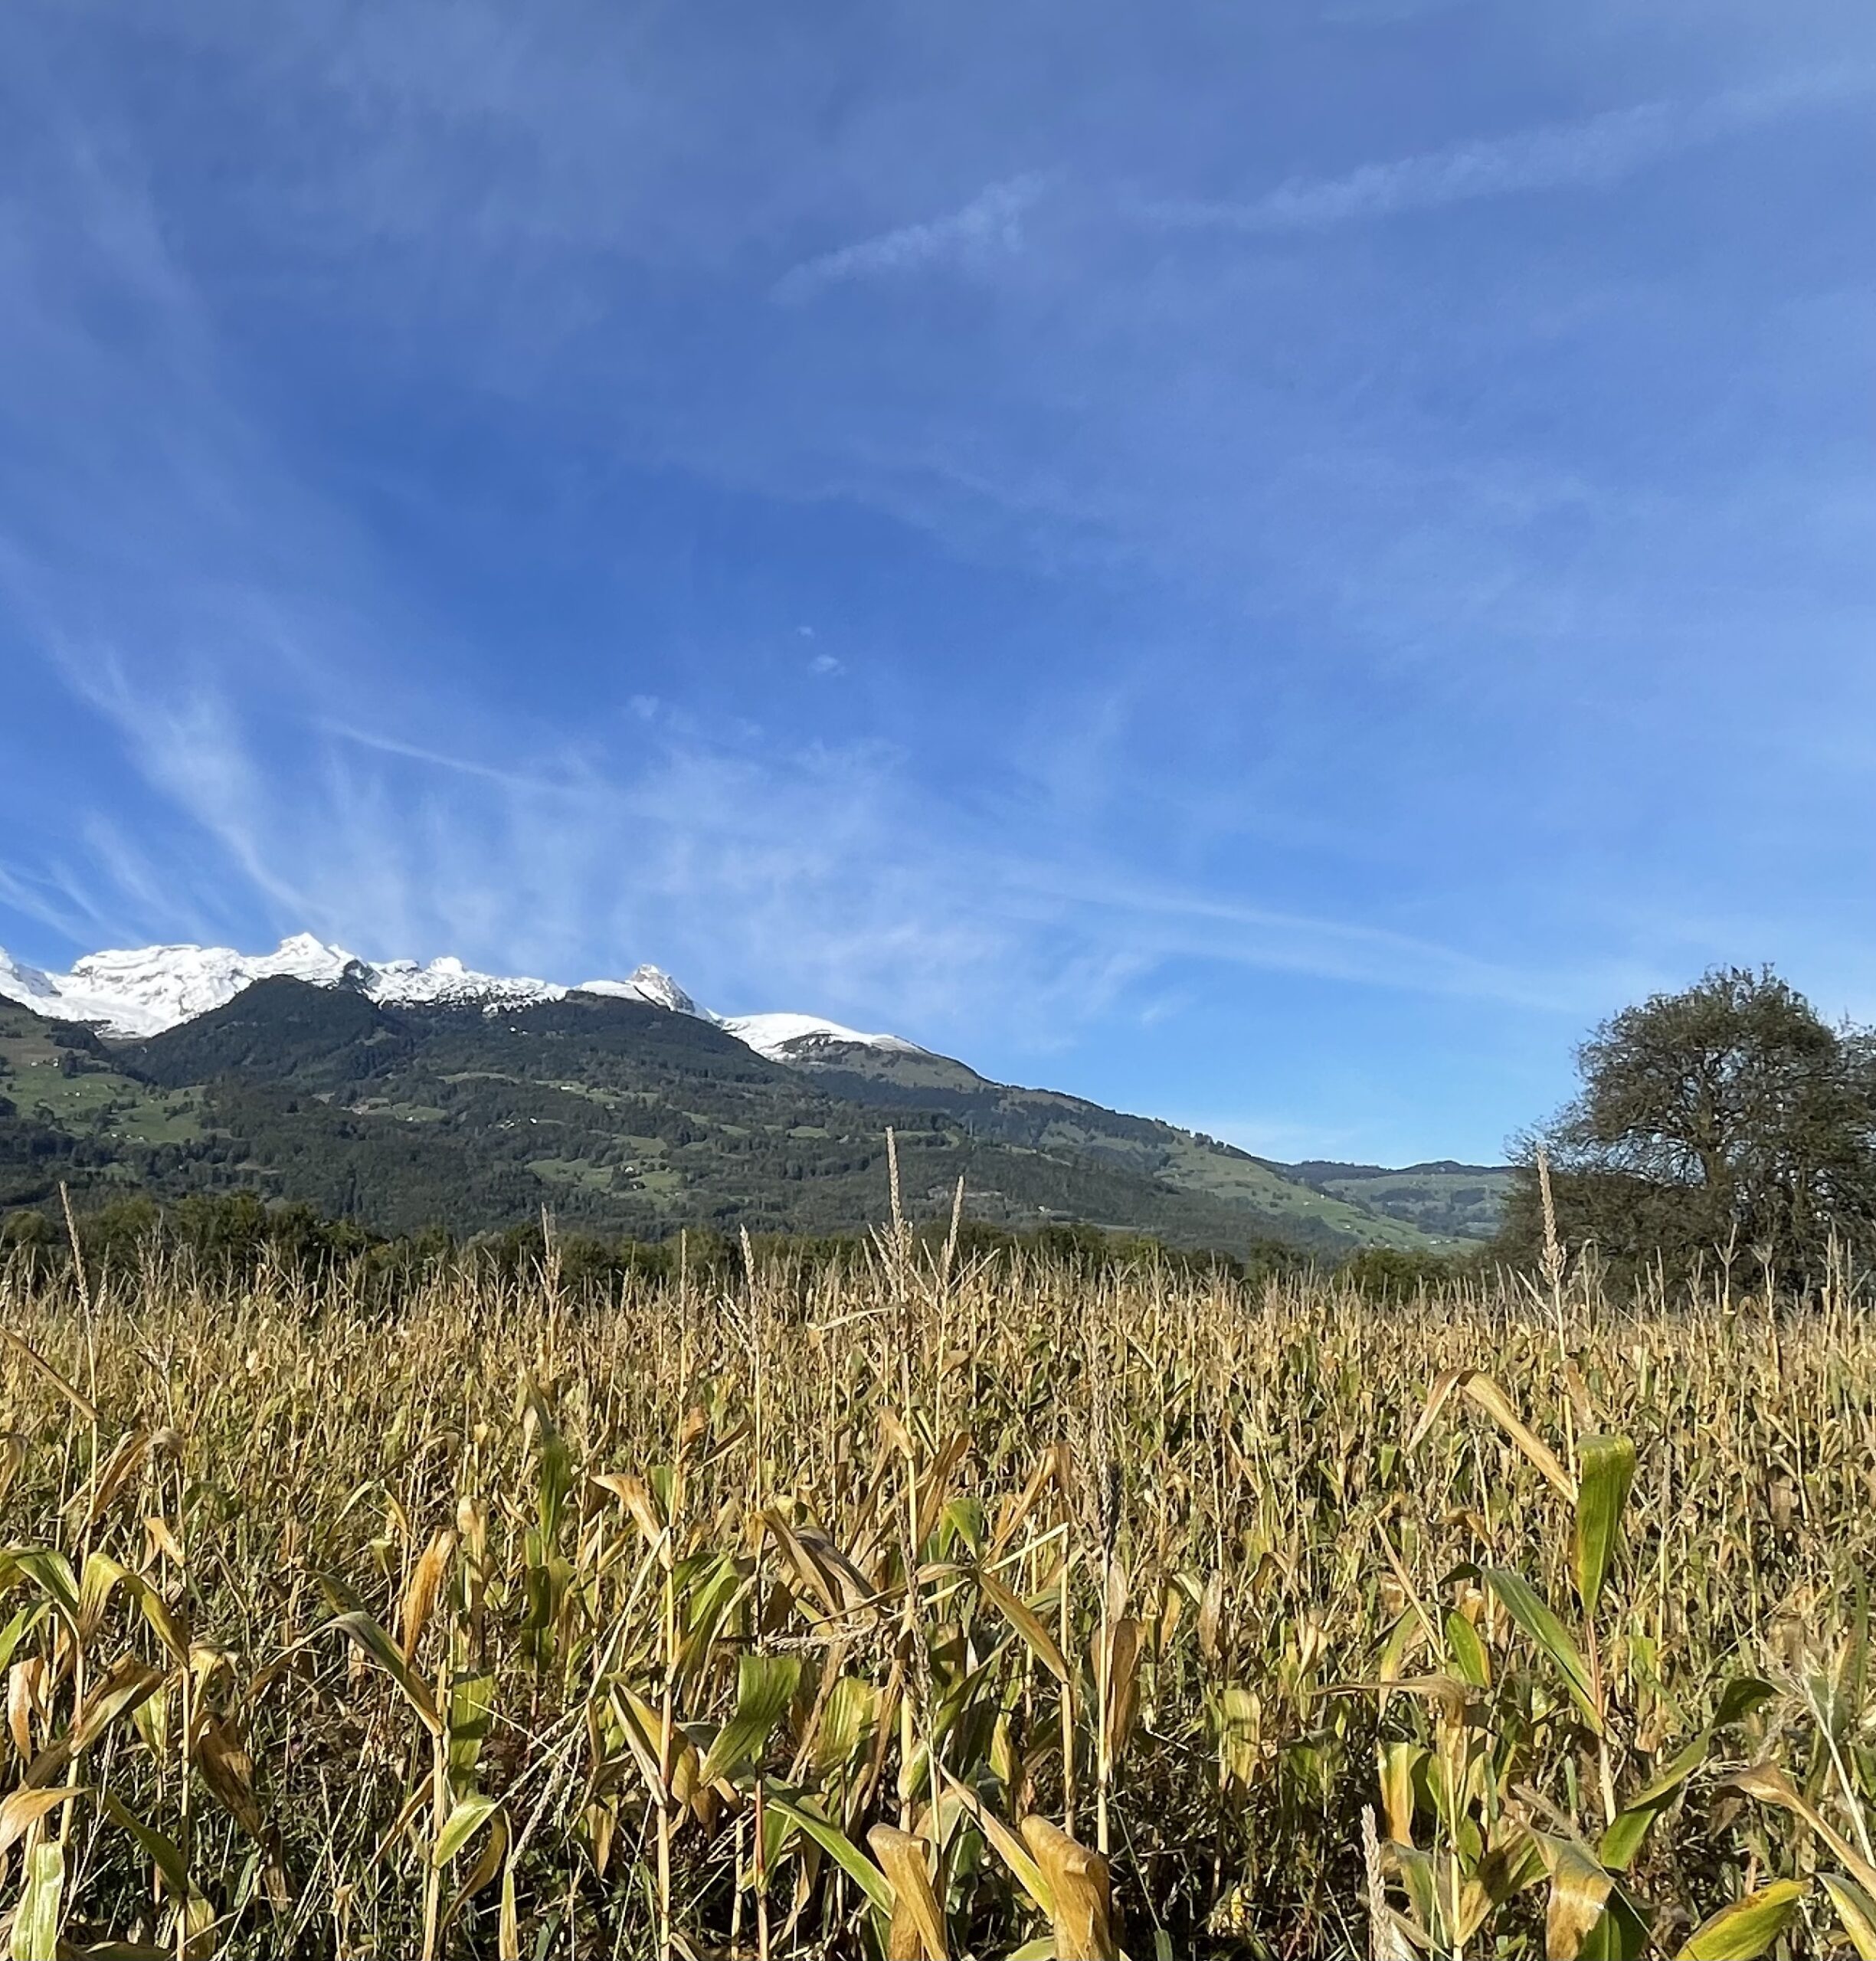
406, 1097
1049, 1120
1442, 1198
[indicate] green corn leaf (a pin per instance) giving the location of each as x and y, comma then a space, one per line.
553, 1461
1467, 1652
1618, 1845
964, 1520
1527, 1607
16, 1631
1856, 1910
1419, 1877
170, 1628
1605, 1472
765, 1686
468, 1818
489, 1863
1744, 1931
1622, 1934
51, 1572
163, 1851
1676, 1770
40, 1912
707, 1588
365, 1633
472, 1702
791, 1805
849, 1717
1740, 1699
1512, 1859
1624, 1837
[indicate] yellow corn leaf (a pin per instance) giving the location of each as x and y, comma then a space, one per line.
1579, 1890
808, 1561
1026, 1622
1398, 1761
372, 1641
915, 1906
123, 1464
130, 1682
1007, 1844
1770, 1785
1485, 1394
229, 1772
1083, 1915
156, 1528
1744, 1931
1011, 1516
26, 1806
34, 1359
507, 1926
420, 1595
638, 1499
1123, 1687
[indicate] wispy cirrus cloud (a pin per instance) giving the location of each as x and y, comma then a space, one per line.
764, 875
987, 228
1597, 151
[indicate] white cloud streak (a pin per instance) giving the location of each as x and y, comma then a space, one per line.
807, 877
988, 228
1600, 151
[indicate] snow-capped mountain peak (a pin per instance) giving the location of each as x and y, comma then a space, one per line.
18, 982
650, 984
777, 1036
446, 982
142, 990
139, 992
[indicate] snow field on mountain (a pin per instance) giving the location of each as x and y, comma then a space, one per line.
139, 992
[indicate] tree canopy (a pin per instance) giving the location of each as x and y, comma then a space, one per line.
1729, 1117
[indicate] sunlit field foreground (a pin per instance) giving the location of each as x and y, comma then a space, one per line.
927, 1611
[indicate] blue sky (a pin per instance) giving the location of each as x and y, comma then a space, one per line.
1267, 565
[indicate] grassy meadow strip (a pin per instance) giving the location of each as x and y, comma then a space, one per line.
933, 1611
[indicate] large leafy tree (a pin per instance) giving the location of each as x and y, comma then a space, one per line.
1729, 1114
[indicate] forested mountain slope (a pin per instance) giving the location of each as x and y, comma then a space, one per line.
624, 1117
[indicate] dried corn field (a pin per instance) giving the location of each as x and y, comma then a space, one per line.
924, 1612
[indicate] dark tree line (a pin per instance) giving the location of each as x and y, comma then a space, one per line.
233, 1237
